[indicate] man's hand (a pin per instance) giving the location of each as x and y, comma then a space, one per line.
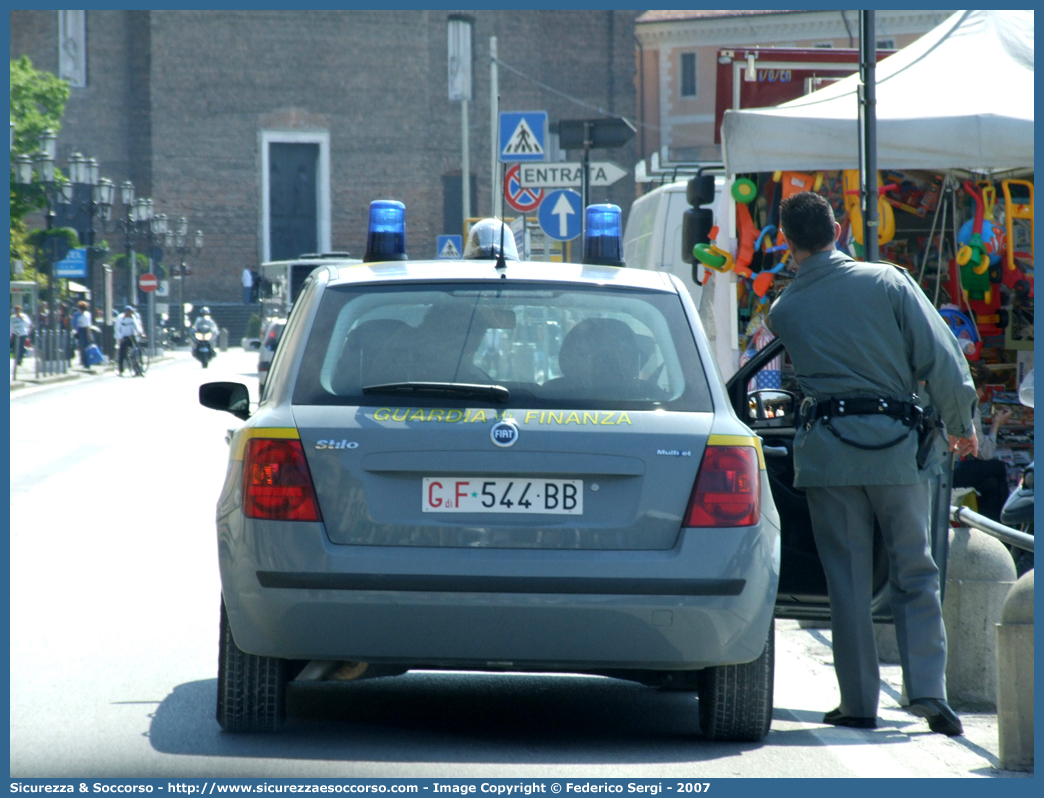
1000, 418
965, 446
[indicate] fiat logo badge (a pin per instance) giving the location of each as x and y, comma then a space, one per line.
504, 433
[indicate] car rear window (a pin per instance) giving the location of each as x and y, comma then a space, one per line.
550, 345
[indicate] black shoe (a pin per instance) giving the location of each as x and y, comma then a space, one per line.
835, 718
941, 719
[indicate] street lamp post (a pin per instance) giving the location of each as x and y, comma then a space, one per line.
178, 239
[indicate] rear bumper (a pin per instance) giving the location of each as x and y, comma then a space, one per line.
291, 593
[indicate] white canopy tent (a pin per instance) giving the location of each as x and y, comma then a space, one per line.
961, 96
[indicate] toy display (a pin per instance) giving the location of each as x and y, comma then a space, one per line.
975, 262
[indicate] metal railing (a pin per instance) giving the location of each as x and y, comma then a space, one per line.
1005, 534
51, 350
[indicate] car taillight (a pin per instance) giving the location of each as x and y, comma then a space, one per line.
277, 485
728, 488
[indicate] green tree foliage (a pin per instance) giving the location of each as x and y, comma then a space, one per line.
37, 103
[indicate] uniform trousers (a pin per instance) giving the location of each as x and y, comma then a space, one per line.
843, 526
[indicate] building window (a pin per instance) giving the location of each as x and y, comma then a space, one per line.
72, 47
688, 74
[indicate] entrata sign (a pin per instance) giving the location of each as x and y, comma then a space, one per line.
568, 175
519, 197
148, 282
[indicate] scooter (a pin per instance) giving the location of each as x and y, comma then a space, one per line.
203, 346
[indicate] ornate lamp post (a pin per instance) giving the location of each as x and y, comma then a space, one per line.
179, 240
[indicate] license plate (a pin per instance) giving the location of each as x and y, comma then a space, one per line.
478, 495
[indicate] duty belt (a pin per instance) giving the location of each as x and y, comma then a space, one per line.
907, 412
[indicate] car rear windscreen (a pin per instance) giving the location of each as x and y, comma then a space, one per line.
549, 345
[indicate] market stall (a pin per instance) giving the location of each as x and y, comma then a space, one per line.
955, 151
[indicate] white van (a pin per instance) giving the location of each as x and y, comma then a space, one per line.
652, 240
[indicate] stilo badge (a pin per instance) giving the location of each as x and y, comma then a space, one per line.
504, 433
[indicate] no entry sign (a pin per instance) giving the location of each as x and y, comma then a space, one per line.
523, 199
148, 282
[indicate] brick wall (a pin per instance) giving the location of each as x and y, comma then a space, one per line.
176, 101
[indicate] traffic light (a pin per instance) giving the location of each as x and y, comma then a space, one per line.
697, 220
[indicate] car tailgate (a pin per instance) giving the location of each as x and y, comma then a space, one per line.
632, 472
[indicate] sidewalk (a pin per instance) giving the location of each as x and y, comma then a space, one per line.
976, 753
27, 371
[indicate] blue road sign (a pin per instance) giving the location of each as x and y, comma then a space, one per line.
74, 264
560, 214
449, 247
522, 135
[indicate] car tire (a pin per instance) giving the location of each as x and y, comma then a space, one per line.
251, 695
736, 700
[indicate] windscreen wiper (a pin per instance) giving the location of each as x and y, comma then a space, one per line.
452, 390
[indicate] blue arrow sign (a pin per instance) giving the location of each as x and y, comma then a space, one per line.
522, 135
560, 215
449, 247
74, 264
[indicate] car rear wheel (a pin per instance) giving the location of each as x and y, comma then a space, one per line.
251, 689
736, 700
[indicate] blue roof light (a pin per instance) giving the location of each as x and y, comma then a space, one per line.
603, 236
386, 235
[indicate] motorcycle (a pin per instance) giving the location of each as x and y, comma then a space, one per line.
203, 346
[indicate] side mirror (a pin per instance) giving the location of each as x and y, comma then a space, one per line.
772, 406
232, 397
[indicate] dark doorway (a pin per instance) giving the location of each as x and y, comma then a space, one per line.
453, 204
292, 207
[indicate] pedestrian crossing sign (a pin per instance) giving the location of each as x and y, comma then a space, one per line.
522, 135
449, 247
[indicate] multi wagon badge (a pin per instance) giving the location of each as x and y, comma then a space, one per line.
504, 433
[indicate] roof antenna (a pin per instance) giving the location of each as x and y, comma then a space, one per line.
501, 262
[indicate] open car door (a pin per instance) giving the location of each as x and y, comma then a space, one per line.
772, 414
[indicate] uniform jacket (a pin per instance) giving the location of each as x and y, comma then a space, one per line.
867, 330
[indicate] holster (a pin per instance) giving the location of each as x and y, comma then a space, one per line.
928, 428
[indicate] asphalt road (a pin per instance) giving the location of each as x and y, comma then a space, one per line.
114, 621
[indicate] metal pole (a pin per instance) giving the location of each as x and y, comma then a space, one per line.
152, 323
1005, 534
585, 187
868, 68
497, 195
132, 259
465, 164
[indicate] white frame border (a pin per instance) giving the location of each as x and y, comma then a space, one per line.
322, 184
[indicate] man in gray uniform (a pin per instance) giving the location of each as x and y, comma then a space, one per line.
863, 339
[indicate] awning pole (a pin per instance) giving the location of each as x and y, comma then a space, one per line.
868, 139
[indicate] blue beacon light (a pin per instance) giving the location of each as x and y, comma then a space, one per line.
386, 234
603, 236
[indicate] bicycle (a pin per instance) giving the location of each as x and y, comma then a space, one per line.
137, 358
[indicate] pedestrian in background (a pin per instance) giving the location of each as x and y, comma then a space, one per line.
983, 472
248, 284
82, 326
21, 329
863, 339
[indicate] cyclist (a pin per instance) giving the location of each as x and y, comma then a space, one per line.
128, 331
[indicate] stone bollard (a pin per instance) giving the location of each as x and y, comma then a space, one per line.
979, 574
1015, 677
223, 340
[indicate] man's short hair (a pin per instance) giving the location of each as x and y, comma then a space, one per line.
808, 220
